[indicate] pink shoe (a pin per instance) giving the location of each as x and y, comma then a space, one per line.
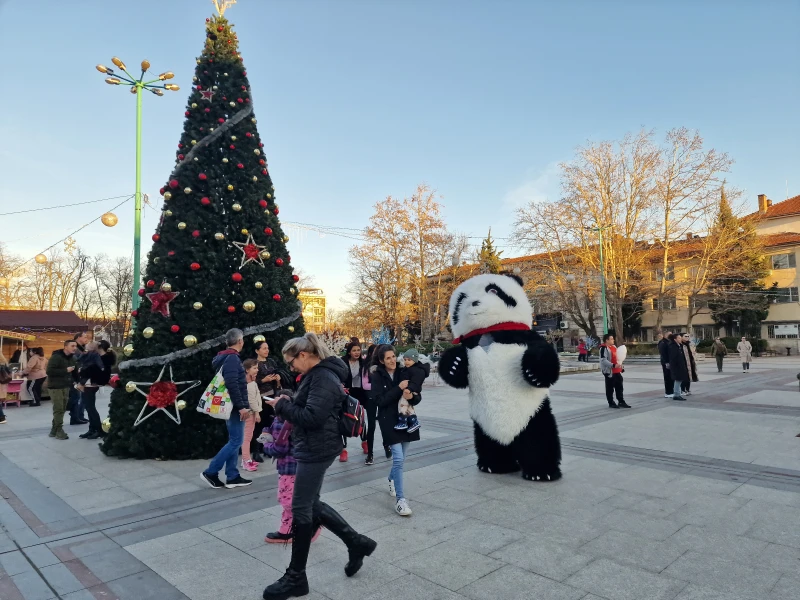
250, 465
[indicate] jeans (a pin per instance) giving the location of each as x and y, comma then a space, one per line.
676, 393
399, 452
89, 401
59, 399
668, 383
229, 453
75, 405
719, 358
614, 384
307, 484
35, 390
745, 366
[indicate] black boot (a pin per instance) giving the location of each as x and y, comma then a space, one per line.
293, 583
257, 457
358, 546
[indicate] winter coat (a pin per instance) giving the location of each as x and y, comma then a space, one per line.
36, 367
92, 369
745, 351
718, 349
234, 375
582, 348
270, 367
677, 362
348, 378
692, 363
281, 447
416, 375
315, 410
58, 378
386, 394
253, 397
608, 358
663, 350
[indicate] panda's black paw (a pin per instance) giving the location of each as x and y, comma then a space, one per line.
552, 476
498, 470
540, 366
453, 367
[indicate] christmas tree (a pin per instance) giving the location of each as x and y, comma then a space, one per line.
219, 260
489, 257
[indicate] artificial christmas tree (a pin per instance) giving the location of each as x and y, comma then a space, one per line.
219, 260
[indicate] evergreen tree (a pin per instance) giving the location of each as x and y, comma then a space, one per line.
488, 257
219, 260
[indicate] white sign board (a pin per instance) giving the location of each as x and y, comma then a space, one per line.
785, 329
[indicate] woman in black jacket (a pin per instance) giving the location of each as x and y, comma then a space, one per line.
94, 374
353, 383
314, 413
387, 389
686, 387
677, 366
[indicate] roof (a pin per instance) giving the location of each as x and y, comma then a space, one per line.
790, 206
66, 320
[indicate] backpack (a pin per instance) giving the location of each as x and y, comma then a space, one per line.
353, 419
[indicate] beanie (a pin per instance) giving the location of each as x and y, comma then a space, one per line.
411, 354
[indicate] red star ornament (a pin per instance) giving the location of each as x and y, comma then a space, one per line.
160, 301
207, 95
251, 252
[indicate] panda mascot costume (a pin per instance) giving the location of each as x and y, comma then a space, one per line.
508, 369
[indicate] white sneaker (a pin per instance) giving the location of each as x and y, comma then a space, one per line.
402, 508
392, 491
667, 395
687, 393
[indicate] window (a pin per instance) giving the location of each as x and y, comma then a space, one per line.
785, 295
667, 303
670, 273
782, 332
784, 261
587, 303
699, 302
703, 332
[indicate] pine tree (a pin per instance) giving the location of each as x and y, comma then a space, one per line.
219, 260
488, 257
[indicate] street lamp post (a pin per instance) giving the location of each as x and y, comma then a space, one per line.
137, 87
599, 231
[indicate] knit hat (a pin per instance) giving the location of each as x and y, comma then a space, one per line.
411, 354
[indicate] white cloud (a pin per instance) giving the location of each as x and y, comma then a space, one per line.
541, 185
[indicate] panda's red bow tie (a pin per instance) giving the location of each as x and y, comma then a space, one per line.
510, 326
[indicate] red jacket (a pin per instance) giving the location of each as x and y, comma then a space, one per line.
582, 348
613, 350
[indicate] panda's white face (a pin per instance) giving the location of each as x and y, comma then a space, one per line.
487, 300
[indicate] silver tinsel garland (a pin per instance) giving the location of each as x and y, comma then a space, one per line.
218, 131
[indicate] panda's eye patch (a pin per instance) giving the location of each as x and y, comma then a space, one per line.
493, 288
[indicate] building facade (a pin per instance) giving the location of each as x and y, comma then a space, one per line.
314, 311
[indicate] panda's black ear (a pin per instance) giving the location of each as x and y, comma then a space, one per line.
515, 277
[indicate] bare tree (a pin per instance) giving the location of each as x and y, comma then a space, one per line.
12, 281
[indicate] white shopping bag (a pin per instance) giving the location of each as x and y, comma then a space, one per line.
216, 401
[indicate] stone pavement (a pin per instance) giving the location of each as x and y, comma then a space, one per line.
696, 500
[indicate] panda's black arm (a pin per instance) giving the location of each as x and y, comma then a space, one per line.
540, 364
454, 367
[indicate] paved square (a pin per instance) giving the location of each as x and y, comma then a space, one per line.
695, 500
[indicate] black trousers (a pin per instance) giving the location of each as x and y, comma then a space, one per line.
669, 384
35, 389
686, 386
719, 358
90, 404
614, 385
307, 484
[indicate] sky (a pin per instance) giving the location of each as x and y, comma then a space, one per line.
361, 99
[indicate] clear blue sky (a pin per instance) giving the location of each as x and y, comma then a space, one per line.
359, 99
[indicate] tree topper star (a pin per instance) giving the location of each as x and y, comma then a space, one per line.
207, 95
160, 301
148, 401
251, 252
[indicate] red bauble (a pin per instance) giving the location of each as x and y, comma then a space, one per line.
134, 313
150, 283
161, 191
232, 147
263, 171
245, 72
244, 87
239, 100
175, 328
141, 292
221, 120
205, 201
237, 277
174, 183
180, 156
162, 394
208, 110
114, 381
246, 100
202, 176
194, 266
171, 253
277, 297
231, 309
180, 145
187, 113
279, 262
248, 134
288, 259
196, 233
240, 165
262, 162
156, 237
220, 28
268, 230
275, 210
295, 278
260, 145
262, 203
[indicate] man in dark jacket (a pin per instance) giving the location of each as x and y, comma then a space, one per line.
75, 404
60, 381
236, 384
677, 366
663, 351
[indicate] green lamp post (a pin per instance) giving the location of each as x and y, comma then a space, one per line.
137, 87
599, 231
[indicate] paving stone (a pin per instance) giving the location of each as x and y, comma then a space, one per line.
411, 586
32, 586
71, 487
450, 565
61, 579
780, 558
724, 575
91, 502
513, 583
80, 595
786, 533
787, 588
400, 535
14, 562
724, 545
329, 579
41, 556
448, 499
170, 543
480, 537
345, 494
639, 524
710, 508
621, 582
245, 536
634, 550
113, 564
696, 592
429, 519
146, 586
225, 523
563, 530
544, 557
278, 556
757, 492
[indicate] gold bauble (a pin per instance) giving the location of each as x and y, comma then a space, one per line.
214, 87
166, 287
130, 387
245, 232
269, 196
189, 341
181, 225
293, 290
219, 236
194, 142
106, 425
230, 187
285, 239
41, 259
233, 104
197, 61
197, 305
264, 254
128, 350
249, 306
259, 338
225, 75
187, 190
157, 260
168, 213
148, 332
181, 404
236, 206
290, 328
253, 120
255, 178
167, 195
195, 80
109, 219
194, 104
233, 138
257, 151
259, 285
225, 160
